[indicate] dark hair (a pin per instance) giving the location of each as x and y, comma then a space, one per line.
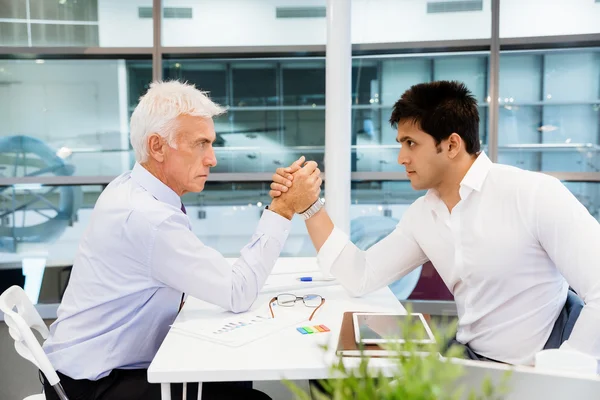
441, 108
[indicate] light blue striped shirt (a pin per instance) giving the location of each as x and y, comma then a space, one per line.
135, 259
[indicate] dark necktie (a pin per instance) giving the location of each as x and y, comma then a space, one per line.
182, 294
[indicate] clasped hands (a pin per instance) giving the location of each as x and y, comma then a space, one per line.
295, 188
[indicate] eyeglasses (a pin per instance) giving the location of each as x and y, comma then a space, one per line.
288, 300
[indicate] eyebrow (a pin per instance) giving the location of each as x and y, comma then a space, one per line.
404, 139
204, 139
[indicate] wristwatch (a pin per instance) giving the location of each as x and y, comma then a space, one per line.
312, 210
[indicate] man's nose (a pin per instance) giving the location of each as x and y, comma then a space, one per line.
402, 159
211, 158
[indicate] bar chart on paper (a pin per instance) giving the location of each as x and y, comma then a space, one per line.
240, 329
240, 323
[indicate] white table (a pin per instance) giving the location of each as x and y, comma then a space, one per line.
297, 357
286, 354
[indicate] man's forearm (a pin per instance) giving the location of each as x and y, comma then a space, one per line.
319, 228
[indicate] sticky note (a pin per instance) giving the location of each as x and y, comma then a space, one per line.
312, 329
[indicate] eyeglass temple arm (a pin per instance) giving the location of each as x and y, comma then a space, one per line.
271, 308
315, 310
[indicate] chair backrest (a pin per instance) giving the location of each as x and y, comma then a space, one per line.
566, 360
21, 316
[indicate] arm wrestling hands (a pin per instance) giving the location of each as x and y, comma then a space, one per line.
289, 199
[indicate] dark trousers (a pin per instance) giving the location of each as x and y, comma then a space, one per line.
133, 384
562, 328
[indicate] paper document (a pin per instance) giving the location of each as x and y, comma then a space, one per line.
239, 329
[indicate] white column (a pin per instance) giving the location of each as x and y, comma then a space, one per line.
123, 99
338, 113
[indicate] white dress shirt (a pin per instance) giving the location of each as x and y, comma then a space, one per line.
135, 259
503, 252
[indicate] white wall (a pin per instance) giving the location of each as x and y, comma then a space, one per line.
241, 23
253, 22
381, 21
120, 25
523, 18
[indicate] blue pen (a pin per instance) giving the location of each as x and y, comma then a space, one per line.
311, 279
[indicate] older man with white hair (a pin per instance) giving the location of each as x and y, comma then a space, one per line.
138, 255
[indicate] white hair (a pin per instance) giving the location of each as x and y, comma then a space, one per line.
159, 108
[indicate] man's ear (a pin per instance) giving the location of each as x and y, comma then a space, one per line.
156, 147
454, 144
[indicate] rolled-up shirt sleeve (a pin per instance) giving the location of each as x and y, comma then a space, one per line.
180, 260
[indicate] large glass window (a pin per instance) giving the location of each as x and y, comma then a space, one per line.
13, 34
88, 23
588, 193
550, 110
68, 117
13, 9
275, 108
224, 205
40, 229
379, 83
303, 82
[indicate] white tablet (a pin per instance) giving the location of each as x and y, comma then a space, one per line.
375, 328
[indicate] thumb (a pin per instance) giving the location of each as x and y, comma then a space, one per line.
296, 165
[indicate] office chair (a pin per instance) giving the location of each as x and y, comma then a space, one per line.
21, 316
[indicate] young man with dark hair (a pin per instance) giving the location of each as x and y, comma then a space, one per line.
507, 242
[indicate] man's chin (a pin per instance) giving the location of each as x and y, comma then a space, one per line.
197, 187
416, 186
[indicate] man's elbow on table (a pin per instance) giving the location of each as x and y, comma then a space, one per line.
355, 292
240, 307
243, 295
355, 280
354, 288
242, 300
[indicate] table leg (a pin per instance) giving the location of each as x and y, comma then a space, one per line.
165, 391
199, 390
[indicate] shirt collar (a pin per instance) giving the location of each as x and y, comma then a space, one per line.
473, 180
476, 175
154, 186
